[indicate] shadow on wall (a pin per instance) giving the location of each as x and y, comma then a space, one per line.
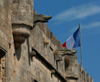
28, 49
19, 51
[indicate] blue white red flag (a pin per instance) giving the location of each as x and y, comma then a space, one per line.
73, 41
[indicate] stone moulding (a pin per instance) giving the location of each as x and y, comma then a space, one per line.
20, 33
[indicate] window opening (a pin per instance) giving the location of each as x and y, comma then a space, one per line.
2, 65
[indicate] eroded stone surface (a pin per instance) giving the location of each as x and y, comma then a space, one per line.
34, 60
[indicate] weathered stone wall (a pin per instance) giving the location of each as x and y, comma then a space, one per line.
5, 23
46, 43
34, 59
25, 69
6, 41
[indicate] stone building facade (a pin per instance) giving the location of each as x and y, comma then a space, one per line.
29, 52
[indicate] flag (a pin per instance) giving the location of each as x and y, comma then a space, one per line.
73, 41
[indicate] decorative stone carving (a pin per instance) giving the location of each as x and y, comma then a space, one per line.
41, 18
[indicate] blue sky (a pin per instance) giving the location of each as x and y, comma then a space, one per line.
66, 16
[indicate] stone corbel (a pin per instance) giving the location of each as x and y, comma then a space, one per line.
53, 72
20, 32
32, 53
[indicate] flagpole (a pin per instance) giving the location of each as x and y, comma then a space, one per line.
80, 44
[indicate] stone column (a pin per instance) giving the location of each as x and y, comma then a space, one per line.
22, 20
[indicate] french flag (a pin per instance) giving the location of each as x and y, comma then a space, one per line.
73, 41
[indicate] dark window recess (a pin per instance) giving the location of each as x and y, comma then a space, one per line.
2, 64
